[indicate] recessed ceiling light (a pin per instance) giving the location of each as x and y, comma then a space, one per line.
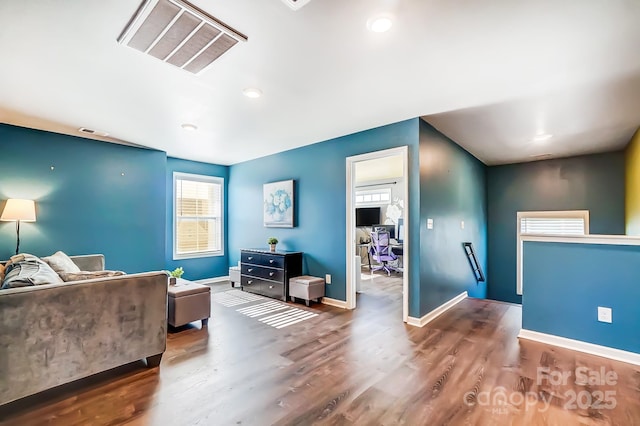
252, 92
379, 24
542, 137
190, 127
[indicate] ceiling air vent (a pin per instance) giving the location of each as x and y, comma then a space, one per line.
295, 4
179, 33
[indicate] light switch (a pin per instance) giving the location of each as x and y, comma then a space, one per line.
429, 223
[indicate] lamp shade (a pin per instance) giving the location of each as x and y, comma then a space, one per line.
22, 210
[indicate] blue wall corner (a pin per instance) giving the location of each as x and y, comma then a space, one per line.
590, 182
203, 267
452, 189
320, 174
98, 198
565, 283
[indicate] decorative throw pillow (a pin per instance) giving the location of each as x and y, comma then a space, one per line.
87, 275
1, 273
27, 271
60, 262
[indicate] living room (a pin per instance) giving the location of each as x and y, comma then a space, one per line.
117, 198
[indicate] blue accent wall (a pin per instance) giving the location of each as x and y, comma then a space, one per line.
319, 172
452, 189
203, 267
565, 283
590, 182
85, 204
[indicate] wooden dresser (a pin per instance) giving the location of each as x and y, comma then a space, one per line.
267, 273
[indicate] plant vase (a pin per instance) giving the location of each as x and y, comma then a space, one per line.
272, 247
172, 280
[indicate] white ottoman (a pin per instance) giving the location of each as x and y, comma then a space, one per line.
234, 275
306, 287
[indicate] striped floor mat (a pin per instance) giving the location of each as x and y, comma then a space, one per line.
270, 312
235, 298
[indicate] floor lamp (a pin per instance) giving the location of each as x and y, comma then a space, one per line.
19, 210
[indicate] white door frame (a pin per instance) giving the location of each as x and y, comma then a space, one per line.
403, 151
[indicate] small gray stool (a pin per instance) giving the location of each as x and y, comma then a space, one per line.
306, 287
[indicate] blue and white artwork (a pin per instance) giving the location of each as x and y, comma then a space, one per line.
278, 204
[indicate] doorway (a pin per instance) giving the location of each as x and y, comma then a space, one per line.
378, 179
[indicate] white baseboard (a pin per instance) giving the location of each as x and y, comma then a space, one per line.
421, 322
334, 302
580, 346
212, 280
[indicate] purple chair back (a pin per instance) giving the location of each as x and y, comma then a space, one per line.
381, 249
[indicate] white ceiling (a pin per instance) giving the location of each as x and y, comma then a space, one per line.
493, 73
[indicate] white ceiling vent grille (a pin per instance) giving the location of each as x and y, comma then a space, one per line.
179, 33
295, 4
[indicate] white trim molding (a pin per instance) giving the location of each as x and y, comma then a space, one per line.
580, 346
430, 316
351, 189
212, 280
335, 302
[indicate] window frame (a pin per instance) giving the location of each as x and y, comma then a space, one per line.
381, 190
205, 179
559, 214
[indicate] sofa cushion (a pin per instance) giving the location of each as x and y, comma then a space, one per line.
28, 270
88, 275
60, 262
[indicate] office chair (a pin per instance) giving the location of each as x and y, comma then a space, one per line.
381, 252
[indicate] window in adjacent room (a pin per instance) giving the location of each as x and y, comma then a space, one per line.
197, 213
548, 223
373, 196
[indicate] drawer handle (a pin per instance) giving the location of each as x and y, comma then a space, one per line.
250, 282
250, 257
271, 261
250, 269
270, 286
271, 274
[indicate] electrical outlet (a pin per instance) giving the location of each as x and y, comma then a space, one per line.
429, 223
605, 314
462, 224
327, 278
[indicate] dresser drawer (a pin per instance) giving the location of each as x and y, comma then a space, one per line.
272, 260
251, 283
272, 274
272, 289
250, 257
250, 269
262, 272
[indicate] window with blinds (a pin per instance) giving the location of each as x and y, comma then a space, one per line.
557, 223
552, 226
198, 219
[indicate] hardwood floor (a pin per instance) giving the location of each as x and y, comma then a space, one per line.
347, 367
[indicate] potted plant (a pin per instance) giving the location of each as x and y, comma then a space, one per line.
175, 274
272, 241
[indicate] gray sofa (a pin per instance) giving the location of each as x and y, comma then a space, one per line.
57, 333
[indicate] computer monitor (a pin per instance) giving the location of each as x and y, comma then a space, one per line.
367, 216
391, 229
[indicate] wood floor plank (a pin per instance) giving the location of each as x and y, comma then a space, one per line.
361, 367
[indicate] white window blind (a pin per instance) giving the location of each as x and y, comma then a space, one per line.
198, 216
551, 226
